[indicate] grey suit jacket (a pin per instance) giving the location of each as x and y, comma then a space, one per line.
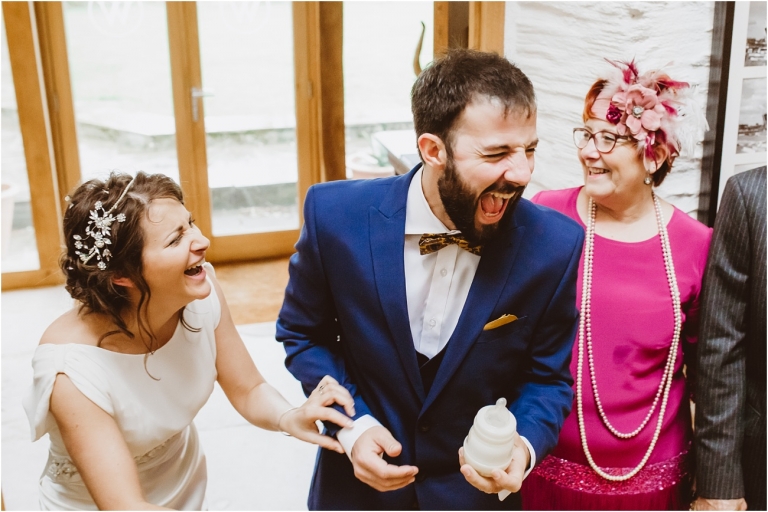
730, 397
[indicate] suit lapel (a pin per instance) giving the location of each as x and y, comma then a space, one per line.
387, 237
491, 277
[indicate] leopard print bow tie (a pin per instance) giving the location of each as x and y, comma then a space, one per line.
432, 242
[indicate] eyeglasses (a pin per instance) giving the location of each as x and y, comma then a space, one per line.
604, 141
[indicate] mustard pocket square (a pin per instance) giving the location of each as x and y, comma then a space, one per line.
502, 320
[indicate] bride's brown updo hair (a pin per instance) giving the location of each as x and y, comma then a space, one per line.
85, 281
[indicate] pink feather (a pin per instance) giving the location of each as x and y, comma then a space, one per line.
631, 73
673, 84
649, 147
628, 69
670, 109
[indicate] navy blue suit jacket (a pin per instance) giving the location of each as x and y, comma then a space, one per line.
345, 315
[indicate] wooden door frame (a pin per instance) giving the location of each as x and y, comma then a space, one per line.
35, 125
190, 135
486, 26
58, 89
319, 77
476, 25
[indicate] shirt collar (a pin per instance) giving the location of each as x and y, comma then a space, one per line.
419, 217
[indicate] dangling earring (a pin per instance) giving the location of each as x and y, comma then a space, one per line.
647, 164
647, 179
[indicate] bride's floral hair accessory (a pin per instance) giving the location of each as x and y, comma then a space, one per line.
651, 108
98, 233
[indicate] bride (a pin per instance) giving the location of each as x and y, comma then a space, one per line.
119, 378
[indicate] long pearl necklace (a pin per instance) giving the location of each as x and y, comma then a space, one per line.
585, 333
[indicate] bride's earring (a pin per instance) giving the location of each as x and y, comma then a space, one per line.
647, 179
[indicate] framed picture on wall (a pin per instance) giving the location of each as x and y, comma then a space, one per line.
744, 139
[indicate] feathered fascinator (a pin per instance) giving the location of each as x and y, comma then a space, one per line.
651, 108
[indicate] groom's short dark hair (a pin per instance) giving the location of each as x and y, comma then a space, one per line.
444, 89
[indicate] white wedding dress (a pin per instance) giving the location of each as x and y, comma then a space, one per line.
154, 414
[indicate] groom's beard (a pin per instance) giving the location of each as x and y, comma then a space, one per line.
461, 204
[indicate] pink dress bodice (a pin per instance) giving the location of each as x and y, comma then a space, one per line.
632, 326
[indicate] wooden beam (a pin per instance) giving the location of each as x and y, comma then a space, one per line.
331, 91
486, 26
55, 62
318, 37
32, 279
26, 68
451, 26
458, 24
306, 39
440, 33
254, 246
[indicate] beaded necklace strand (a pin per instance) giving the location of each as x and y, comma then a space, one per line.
585, 332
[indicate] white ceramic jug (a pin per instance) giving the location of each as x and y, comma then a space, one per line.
491, 439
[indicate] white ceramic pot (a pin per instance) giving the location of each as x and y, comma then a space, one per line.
364, 166
491, 439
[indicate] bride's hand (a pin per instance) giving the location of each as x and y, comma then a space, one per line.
300, 421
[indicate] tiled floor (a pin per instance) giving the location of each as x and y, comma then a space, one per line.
248, 468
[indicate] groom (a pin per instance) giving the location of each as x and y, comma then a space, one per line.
432, 294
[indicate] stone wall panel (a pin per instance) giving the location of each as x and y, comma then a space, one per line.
561, 47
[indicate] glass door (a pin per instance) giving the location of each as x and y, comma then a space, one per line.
236, 118
386, 44
19, 247
121, 87
239, 101
246, 58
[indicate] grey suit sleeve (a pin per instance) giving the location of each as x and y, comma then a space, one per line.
721, 388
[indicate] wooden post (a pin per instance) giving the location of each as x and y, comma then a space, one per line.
190, 134
58, 88
332, 126
486, 26
34, 123
451, 26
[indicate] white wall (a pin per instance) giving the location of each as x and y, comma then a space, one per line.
561, 46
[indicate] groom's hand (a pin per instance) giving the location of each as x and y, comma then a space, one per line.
372, 469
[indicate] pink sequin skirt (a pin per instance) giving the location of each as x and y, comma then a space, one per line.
558, 484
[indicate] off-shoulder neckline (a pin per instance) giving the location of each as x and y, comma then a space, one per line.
175, 335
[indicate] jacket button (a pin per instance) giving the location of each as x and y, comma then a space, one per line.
420, 477
424, 427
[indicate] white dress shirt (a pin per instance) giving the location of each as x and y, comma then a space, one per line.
436, 287
436, 284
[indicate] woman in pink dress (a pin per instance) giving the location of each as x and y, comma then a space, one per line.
626, 442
